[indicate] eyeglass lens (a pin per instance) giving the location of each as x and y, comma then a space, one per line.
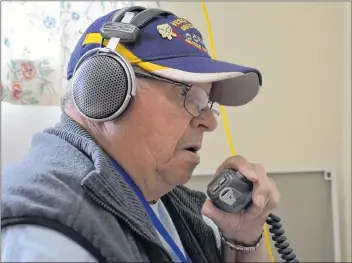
197, 101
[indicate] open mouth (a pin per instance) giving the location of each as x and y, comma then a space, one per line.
191, 149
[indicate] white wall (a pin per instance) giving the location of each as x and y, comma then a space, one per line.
19, 123
300, 120
345, 182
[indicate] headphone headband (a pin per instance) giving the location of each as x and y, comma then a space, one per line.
119, 14
144, 17
127, 30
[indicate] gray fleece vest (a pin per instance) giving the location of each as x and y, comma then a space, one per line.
67, 183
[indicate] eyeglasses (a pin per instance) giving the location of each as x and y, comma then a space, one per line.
196, 99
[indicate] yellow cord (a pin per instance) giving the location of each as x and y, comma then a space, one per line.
225, 120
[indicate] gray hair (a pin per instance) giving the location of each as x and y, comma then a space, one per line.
66, 100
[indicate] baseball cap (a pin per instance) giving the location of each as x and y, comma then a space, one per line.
171, 47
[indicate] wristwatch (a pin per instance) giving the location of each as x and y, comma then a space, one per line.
243, 248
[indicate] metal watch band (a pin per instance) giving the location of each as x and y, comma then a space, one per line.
243, 248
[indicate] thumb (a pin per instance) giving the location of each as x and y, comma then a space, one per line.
218, 216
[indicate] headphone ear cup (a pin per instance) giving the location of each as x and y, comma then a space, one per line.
102, 85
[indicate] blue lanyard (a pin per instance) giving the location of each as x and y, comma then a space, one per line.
155, 220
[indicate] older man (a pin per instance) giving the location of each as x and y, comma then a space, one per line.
108, 187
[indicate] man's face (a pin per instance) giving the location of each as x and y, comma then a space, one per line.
172, 135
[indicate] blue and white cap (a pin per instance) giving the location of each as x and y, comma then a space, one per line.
171, 47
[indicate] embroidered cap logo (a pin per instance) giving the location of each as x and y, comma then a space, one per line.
165, 30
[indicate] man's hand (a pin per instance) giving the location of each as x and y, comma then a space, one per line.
246, 227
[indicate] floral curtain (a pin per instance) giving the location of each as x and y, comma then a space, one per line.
37, 41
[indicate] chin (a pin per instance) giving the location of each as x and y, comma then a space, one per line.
179, 177
179, 169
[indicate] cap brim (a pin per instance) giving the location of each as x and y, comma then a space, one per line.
233, 85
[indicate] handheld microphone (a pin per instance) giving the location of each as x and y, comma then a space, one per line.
231, 192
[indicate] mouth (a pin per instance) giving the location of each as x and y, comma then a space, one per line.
193, 149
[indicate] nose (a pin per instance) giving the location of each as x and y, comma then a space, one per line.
206, 121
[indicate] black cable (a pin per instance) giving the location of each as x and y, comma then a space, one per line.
282, 246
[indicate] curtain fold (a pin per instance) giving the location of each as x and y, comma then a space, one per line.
37, 41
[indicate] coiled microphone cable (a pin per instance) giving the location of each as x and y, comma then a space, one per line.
283, 247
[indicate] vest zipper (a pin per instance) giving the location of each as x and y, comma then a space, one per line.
113, 212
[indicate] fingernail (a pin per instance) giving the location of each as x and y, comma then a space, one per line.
260, 201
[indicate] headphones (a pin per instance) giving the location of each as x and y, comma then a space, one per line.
103, 81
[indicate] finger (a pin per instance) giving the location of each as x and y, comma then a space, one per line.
239, 163
261, 193
262, 189
234, 162
218, 216
254, 211
273, 200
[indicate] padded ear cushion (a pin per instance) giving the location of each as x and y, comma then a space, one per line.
144, 17
102, 85
117, 17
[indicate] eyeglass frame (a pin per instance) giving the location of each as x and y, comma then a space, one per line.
186, 88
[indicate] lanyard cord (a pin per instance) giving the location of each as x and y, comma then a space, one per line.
155, 220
